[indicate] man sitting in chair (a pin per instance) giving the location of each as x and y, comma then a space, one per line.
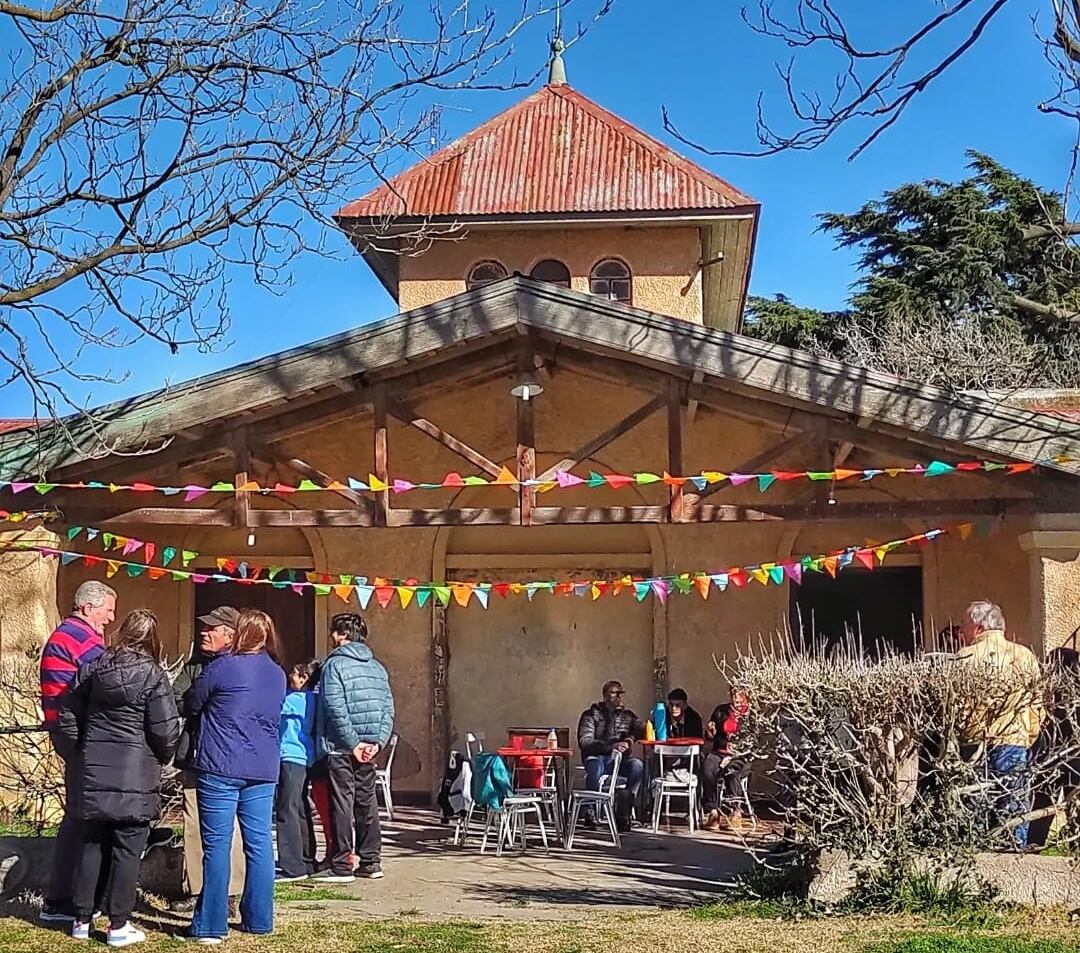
722, 769
603, 729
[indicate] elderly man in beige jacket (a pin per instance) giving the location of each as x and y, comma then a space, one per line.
1011, 727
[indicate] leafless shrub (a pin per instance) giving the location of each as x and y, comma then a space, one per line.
885, 757
961, 355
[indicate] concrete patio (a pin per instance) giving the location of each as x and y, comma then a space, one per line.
428, 877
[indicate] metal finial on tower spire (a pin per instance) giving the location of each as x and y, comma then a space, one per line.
557, 68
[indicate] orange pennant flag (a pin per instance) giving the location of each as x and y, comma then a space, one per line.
462, 593
965, 529
702, 583
505, 478
846, 474
830, 562
344, 592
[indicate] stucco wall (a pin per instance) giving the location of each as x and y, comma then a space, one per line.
663, 262
28, 606
547, 659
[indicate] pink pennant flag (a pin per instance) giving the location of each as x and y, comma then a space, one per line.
402, 486
132, 546
793, 571
738, 479
566, 478
19, 487
192, 492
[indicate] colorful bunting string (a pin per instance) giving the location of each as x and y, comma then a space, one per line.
406, 592
21, 516
561, 479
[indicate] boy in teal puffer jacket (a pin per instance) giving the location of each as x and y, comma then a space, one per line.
355, 720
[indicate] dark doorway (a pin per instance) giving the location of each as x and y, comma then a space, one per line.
293, 613
874, 609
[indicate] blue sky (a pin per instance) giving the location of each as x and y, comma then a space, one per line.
698, 60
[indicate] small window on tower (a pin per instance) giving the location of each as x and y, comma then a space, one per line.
484, 273
610, 279
552, 271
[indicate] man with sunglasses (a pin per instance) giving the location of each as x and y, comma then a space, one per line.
604, 729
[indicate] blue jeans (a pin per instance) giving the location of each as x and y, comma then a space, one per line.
596, 766
223, 801
1008, 764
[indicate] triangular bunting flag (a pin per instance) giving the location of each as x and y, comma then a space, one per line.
703, 585
505, 478
405, 595
765, 480
482, 596
343, 592
423, 593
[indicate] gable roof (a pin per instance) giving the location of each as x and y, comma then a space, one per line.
554, 152
502, 310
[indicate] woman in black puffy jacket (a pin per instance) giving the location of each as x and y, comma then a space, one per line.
120, 721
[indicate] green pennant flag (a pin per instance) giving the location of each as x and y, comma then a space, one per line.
222, 487
683, 584
272, 572
988, 465
308, 485
776, 574
178, 575
442, 593
168, 554
44, 488
646, 478
346, 579
107, 540
476, 481
595, 479
187, 556
134, 569
820, 475
764, 481
73, 532
322, 590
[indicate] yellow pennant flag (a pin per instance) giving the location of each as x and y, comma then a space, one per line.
376, 484
760, 575
405, 595
111, 568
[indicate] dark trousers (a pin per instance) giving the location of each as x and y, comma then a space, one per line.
68, 847
295, 830
720, 781
120, 846
354, 811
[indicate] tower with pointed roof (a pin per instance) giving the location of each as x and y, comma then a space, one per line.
561, 189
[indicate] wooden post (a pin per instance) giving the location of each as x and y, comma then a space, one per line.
242, 499
526, 458
381, 466
675, 456
440, 707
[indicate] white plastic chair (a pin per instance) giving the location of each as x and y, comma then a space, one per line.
742, 801
547, 792
382, 778
664, 788
511, 818
473, 747
602, 801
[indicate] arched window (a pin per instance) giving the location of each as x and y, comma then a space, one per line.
484, 273
610, 279
552, 271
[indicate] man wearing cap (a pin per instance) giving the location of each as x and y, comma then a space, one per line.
217, 630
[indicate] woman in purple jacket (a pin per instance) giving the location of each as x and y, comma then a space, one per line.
237, 701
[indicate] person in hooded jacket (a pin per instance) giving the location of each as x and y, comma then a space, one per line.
120, 718
355, 717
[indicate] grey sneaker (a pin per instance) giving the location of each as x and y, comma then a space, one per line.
329, 877
369, 871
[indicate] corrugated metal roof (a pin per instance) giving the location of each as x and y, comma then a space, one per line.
555, 152
9, 424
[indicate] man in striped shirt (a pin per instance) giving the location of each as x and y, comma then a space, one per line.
76, 641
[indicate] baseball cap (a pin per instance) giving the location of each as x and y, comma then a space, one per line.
222, 615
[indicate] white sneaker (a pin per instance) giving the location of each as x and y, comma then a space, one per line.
125, 935
203, 940
80, 930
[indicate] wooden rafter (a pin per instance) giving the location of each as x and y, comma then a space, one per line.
406, 414
601, 440
305, 469
930, 510
762, 459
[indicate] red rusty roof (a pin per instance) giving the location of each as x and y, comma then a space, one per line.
555, 152
9, 424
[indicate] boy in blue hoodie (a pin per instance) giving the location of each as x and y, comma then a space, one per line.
295, 831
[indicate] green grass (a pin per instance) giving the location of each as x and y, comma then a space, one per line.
740, 908
961, 943
19, 828
292, 893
